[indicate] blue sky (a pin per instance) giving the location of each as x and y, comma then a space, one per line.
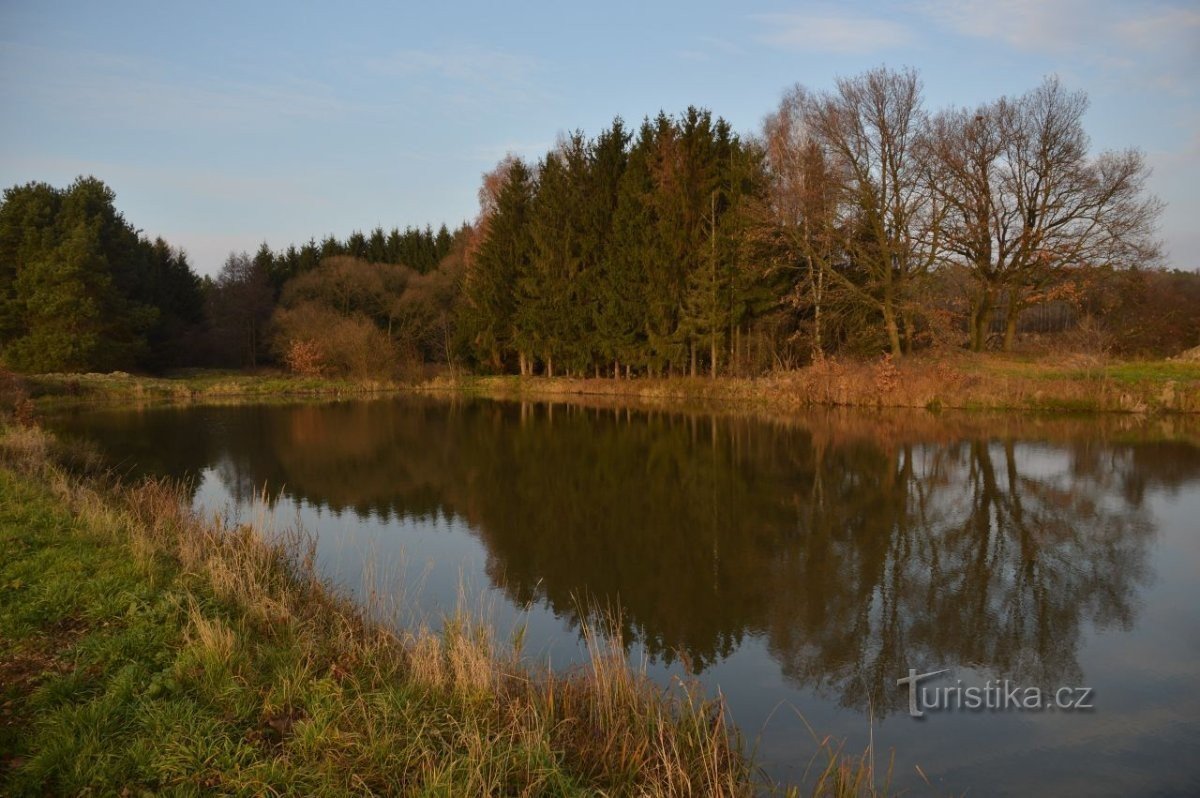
221, 125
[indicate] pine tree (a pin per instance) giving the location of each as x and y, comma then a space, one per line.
612, 287
499, 266
175, 291
631, 259
79, 287
28, 233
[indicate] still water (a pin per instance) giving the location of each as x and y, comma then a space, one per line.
801, 566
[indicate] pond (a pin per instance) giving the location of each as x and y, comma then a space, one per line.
801, 566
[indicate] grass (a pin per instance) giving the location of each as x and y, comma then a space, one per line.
195, 385
144, 650
950, 380
943, 380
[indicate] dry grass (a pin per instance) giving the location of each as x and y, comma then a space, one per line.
948, 380
324, 701
1076, 382
199, 386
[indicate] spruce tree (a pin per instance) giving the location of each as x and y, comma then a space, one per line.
499, 266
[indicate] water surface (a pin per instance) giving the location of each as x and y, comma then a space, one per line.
800, 566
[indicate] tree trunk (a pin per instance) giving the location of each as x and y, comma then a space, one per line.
893, 331
1010, 323
818, 343
692, 352
716, 356
446, 341
736, 356
981, 321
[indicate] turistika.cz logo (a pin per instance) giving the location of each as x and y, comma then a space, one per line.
990, 696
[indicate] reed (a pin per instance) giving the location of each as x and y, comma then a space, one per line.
148, 648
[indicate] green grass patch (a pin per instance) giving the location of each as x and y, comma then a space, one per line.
1153, 371
144, 651
53, 390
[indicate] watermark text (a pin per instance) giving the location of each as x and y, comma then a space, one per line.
991, 696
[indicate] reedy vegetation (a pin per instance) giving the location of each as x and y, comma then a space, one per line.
215, 659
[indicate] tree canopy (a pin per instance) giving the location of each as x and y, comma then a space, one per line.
82, 290
857, 221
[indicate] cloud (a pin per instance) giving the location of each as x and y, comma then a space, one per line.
833, 33
100, 86
1102, 31
467, 72
1023, 24
1176, 26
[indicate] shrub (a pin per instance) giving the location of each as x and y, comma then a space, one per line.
305, 358
343, 345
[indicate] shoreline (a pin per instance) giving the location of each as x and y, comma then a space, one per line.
145, 646
962, 382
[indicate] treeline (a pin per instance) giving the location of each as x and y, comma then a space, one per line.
855, 222
617, 253
368, 306
81, 289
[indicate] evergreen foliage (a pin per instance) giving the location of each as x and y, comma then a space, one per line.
622, 254
82, 290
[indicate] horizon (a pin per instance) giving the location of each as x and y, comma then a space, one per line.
220, 127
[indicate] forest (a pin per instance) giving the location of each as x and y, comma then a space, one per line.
856, 222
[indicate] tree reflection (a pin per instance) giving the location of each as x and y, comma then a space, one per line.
856, 553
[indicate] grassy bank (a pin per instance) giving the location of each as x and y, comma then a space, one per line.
48, 390
145, 650
954, 381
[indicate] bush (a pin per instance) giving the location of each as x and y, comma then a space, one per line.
334, 344
1149, 312
14, 399
305, 358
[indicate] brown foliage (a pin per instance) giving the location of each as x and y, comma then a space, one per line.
344, 345
1026, 205
1147, 312
14, 399
352, 318
305, 358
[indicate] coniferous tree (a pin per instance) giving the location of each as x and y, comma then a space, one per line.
500, 265
28, 232
667, 247
554, 312
81, 289
377, 246
611, 333
175, 291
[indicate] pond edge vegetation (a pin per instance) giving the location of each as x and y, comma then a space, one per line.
959, 381
145, 646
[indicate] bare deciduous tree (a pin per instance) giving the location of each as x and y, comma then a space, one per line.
800, 227
873, 126
1025, 203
